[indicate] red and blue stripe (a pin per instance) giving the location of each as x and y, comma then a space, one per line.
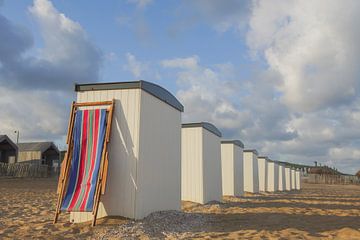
88, 137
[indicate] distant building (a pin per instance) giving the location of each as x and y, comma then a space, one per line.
39, 152
8, 150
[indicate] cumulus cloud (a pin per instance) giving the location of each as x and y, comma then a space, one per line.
136, 67
141, 3
313, 46
36, 89
221, 15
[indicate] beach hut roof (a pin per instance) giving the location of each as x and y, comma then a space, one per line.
236, 142
5, 138
36, 146
251, 150
208, 126
151, 88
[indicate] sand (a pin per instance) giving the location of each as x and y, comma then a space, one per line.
315, 212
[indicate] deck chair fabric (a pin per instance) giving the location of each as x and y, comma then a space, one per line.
88, 137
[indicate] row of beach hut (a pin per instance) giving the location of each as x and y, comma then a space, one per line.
155, 161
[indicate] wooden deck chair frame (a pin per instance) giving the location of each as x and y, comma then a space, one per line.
65, 167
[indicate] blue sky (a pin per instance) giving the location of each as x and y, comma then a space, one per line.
282, 76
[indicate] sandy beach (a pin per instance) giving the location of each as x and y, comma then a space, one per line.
315, 212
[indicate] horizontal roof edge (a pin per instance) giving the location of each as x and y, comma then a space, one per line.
208, 126
236, 142
251, 150
268, 159
151, 88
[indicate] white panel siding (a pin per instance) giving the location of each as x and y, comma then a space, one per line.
282, 186
273, 177
159, 166
227, 168
263, 174
212, 167
293, 179
251, 175
239, 171
298, 180
192, 165
288, 179
119, 197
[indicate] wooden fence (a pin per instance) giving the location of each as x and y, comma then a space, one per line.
331, 179
23, 170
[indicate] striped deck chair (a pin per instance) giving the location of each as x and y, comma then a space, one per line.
84, 169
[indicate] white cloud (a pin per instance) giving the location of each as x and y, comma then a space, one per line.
136, 67
37, 89
141, 3
185, 63
313, 46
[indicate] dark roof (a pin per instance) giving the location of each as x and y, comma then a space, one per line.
208, 126
266, 158
251, 150
8, 140
236, 142
36, 146
151, 88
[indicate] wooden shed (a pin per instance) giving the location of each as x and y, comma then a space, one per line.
287, 178
298, 180
144, 149
282, 186
232, 167
273, 176
263, 173
200, 163
45, 153
8, 150
251, 171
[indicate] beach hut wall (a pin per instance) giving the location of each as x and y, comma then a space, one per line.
282, 186
287, 179
251, 174
273, 177
200, 163
263, 173
298, 180
144, 151
232, 167
293, 179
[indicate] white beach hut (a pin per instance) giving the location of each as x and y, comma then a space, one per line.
298, 179
287, 179
263, 173
144, 151
282, 186
293, 179
273, 176
200, 163
251, 174
232, 167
